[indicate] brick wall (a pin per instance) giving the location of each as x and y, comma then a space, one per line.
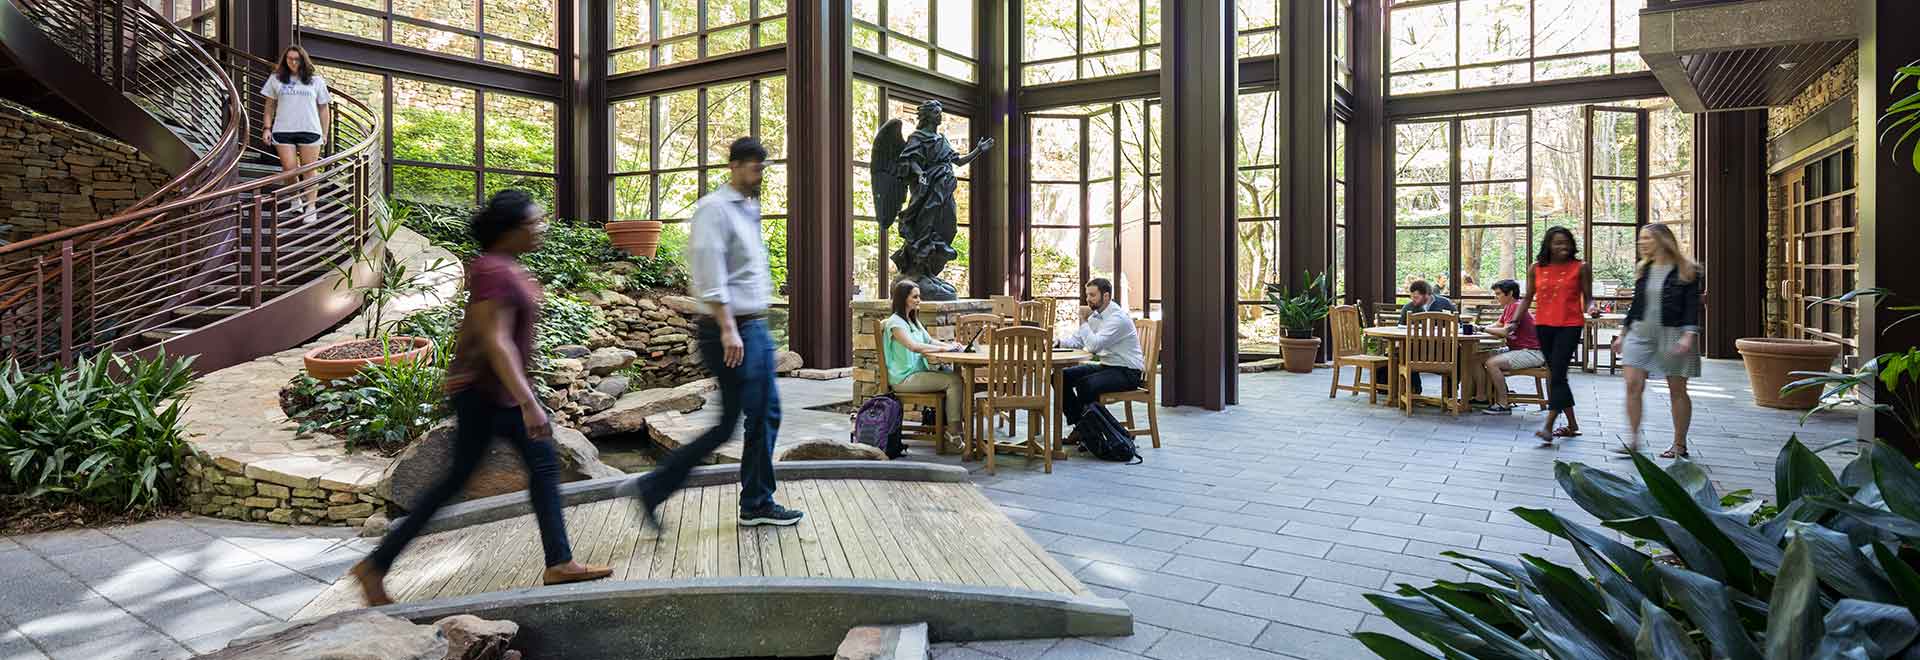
55, 175
1837, 85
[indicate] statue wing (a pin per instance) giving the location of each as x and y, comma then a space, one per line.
889, 182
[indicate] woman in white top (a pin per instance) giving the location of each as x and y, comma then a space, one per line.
299, 114
906, 343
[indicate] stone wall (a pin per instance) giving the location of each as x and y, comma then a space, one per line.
225, 488
939, 318
55, 175
1837, 85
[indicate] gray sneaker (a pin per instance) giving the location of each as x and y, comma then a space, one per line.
772, 514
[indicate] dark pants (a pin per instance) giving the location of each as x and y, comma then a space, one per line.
747, 390
1086, 382
478, 421
1559, 343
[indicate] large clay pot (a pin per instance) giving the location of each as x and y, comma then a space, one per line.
1300, 354
640, 238
336, 369
1771, 361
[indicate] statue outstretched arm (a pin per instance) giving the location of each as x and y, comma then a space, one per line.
979, 148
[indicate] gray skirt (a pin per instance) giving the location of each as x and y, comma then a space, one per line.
1649, 347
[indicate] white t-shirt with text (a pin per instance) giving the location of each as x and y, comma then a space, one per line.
298, 107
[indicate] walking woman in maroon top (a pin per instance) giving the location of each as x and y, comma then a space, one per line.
1563, 287
492, 397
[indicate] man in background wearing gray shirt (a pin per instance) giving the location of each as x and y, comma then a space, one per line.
727, 257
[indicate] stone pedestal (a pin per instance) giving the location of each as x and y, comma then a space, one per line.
939, 317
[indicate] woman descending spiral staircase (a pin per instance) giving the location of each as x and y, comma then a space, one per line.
219, 262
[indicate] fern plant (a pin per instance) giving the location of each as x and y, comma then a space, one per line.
104, 431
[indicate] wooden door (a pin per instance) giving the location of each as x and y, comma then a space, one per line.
1822, 249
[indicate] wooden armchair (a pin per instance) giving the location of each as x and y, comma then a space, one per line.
1433, 347
1038, 312
912, 425
1004, 306
1350, 350
1149, 331
1386, 314
1019, 370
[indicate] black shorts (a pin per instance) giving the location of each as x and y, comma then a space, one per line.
300, 138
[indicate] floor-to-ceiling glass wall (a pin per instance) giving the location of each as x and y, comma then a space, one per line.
1091, 207
873, 105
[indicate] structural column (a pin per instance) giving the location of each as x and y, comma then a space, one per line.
583, 191
820, 224
990, 266
1367, 228
1889, 191
1309, 75
1198, 238
258, 27
1731, 210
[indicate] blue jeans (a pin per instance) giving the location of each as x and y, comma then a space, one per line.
745, 391
478, 421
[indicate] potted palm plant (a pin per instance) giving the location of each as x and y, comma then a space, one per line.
393, 281
640, 238
1299, 314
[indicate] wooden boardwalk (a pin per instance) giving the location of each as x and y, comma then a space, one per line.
946, 533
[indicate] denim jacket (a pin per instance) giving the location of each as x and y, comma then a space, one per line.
1679, 301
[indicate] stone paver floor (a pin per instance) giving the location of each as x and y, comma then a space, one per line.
1251, 534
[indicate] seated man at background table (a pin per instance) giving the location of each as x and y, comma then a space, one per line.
1523, 344
1107, 332
1424, 300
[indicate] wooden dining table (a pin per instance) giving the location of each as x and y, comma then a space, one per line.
966, 362
1474, 349
1589, 342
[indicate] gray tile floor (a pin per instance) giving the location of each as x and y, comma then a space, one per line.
1253, 533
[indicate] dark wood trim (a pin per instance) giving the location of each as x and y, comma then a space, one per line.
1555, 92
596, 115
1889, 191
258, 27
820, 224
386, 58
954, 95
991, 228
1198, 249
1731, 218
743, 65
1309, 166
1367, 171
1143, 84
573, 190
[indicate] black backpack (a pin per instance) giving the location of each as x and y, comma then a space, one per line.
1103, 436
877, 425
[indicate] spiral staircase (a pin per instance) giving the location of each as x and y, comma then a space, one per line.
223, 261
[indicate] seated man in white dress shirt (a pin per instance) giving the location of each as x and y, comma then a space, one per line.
1108, 334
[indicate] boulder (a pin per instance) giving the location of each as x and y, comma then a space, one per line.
375, 526
908, 642
472, 638
613, 385
684, 305
823, 374
629, 414
594, 401
787, 362
501, 470
607, 298
821, 449
605, 361
573, 351
353, 635
1258, 366
565, 371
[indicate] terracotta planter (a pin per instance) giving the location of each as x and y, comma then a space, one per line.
1770, 361
640, 238
1300, 353
328, 369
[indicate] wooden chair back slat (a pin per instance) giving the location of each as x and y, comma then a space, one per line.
969, 326
1018, 363
878, 330
1004, 306
1347, 335
1386, 314
1433, 340
1039, 312
1149, 332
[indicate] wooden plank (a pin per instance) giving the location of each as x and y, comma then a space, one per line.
851, 544
619, 530
793, 560
686, 554
635, 547
597, 531
419, 565
955, 526
926, 565
1025, 556
883, 553
820, 546
710, 542
483, 539
932, 519
665, 548
493, 569
450, 558
908, 563
505, 562
1042, 557
745, 542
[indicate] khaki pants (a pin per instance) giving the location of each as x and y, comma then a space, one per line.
922, 382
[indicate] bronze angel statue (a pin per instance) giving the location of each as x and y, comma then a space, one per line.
921, 163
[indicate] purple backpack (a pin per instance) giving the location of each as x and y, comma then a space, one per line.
877, 425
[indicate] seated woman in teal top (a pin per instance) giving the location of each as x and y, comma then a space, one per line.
906, 342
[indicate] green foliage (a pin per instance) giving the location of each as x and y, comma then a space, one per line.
394, 281
1829, 574
1898, 373
1299, 313
385, 406
563, 320
1904, 113
573, 255
105, 431
570, 255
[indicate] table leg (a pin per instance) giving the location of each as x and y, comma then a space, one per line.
1589, 335
1393, 374
1058, 420
966, 412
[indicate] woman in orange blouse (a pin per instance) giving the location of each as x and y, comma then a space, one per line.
1563, 286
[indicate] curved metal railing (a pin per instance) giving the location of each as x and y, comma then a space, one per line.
202, 249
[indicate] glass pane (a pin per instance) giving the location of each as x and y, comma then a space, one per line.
1259, 331
1415, 83
956, 26
866, 260
729, 117
1056, 262
958, 130
1570, 26
1256, 14
1111, 64
1493, 30
1258, 44
731, 40
1259, 257
1419, 254
866, 120
867, 10
1041, 74
1056, 204
632, 60
910, 53
1612, 255
1628, 62
1056, 149
910, 17
678, 17
1489, 255
1616, 143
1422, 37
630, 197
1498, 74
1259, 131
432, 123
773, 190
865, 38
1050, 29
773, 117
676, 130
323, 17
540, 187
1669, 139
632, 22
1626, 23
433, 185
438, 41
1493, 148
454, 13
721, 13
527, 20
1572, 67
1672, 201
683, 50
773, 32
678, 192
367, 88
630, 136
1493, 204
953, 66
1109, 25
1257, 194
1559, 167
519, 133
1420, 152
1421, 206
514, 55
1615, 201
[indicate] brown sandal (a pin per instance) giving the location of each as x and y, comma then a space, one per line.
1566, 432
1546, 439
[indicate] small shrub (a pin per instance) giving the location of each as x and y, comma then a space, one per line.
572, 255
106, 431
384, 407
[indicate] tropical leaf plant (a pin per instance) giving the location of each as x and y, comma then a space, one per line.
1831, 573
384, 406
105, 431
1300, 312
1904, 115
1897, 373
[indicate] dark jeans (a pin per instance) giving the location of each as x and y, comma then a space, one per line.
1086, 382
479, 420
1559, 343
747, 390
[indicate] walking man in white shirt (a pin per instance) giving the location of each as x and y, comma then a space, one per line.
727, 257
1107, 332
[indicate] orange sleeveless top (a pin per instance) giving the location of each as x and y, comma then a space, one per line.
1556, 295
